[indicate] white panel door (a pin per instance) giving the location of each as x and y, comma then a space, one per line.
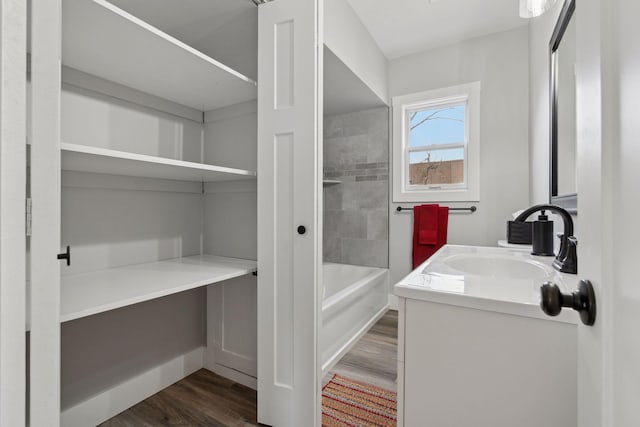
288, 220
45, 234
608, 90
13, 80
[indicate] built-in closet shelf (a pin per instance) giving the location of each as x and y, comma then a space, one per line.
84, 158
99, 291
330, 182
102, 39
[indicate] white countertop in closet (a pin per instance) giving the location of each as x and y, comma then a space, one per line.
91, 293
95, 292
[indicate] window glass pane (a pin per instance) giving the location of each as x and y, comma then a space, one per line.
437, 125
436, 167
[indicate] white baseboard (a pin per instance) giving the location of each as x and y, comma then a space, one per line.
329, 364
233, 375
393, 302
111, 402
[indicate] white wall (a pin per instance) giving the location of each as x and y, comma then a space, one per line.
102, 351
98, 120
350, 41
500, 62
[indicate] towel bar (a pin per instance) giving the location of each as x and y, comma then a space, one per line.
470, 209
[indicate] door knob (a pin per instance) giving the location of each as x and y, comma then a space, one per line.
302, 229
583, 301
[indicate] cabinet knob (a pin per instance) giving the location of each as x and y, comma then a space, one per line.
302, 229
583, 301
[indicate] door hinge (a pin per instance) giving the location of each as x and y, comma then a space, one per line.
28, 216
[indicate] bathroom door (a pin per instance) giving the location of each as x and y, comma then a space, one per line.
608, 92
13, 81
289, 230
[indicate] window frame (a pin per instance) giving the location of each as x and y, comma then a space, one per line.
403, 106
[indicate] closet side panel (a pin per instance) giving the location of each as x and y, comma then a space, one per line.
13, 46
44, 336
230, 136
230, 229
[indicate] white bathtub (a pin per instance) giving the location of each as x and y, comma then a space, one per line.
354, 298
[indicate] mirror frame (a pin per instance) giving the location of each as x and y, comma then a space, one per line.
567, 201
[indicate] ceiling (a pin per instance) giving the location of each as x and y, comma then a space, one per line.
403, 27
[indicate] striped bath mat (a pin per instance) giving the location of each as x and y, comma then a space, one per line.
348, 403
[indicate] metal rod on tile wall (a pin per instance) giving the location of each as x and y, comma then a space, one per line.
470, 209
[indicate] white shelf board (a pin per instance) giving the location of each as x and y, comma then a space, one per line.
84, 158
96, 292
104, 40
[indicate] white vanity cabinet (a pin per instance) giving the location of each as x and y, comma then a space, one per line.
481, 358
457, 368
156, 195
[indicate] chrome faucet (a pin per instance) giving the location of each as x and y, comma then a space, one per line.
567, 259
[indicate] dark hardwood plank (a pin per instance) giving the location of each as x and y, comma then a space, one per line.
201, 399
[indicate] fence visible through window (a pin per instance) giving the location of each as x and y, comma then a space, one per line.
436, 144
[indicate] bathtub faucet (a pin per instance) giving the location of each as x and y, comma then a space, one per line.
567, 259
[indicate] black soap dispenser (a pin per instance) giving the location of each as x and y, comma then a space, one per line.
542, 236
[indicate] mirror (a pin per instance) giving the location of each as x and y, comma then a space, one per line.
563, 191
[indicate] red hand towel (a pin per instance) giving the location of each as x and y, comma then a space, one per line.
425, 220
430, 223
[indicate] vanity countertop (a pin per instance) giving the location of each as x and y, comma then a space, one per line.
505, 244
493, 279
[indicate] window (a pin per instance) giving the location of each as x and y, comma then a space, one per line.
436, 145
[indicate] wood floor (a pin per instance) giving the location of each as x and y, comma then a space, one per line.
374, 359
205, 399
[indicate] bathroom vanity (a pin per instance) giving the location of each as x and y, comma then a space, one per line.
475, 349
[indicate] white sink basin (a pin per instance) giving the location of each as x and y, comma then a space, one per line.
495, 279
498, 266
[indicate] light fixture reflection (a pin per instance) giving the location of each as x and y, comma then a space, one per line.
533, 8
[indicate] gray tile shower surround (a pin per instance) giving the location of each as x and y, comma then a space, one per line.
356, 213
